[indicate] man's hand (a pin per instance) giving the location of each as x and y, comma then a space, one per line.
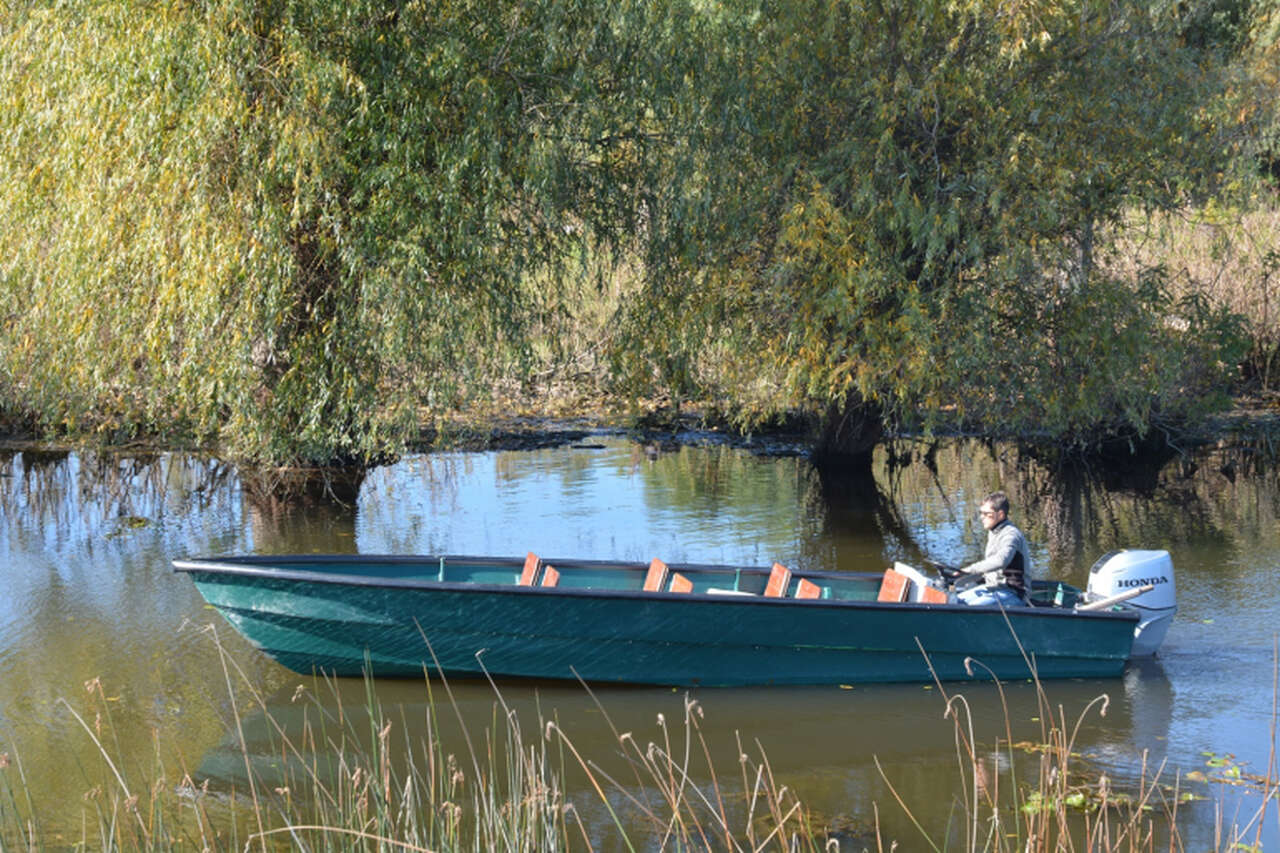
949, 573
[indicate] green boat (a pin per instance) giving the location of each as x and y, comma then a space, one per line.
652, 624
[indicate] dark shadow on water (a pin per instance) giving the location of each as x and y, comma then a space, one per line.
1158, 500
277, 490
314, 525
856, 509
1120, 464
34, 460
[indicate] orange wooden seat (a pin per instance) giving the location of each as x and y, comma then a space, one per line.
550, 577
932, 595
656, 578
531, 564
779, 580
807, 589
680, 583
919, 588
895, 586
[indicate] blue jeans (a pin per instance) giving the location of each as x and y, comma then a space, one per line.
991, 596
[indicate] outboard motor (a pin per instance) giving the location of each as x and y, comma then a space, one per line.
1123, 571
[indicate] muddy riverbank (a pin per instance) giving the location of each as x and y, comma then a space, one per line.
1252, 422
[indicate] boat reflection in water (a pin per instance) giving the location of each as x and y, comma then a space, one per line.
827, 744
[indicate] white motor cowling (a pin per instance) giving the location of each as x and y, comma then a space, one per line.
1123, 571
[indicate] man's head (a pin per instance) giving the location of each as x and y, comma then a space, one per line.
994, 509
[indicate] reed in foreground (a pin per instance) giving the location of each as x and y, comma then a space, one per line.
318, 774
1066, 804
335, 777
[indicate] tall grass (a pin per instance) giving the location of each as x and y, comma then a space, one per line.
1067, 804
1230, 259
341, 780
1063, 806
352, 781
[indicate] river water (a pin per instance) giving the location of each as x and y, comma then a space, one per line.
97, 634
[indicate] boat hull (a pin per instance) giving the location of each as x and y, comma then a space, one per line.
350, 625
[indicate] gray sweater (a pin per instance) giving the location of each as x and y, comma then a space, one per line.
1007, 560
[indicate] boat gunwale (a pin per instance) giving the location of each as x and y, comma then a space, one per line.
251, 566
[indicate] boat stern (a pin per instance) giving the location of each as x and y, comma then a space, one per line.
1120, 572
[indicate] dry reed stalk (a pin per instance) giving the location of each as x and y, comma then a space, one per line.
367, 804
1231, 258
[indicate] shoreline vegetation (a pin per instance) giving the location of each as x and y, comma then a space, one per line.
1249, 429
335, 778
530, 423
304, 235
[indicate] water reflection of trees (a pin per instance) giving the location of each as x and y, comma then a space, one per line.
1189, 501
1214, 499
864, 527
85, 497
919, 506
65, 494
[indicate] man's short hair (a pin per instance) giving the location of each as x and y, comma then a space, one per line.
998, 501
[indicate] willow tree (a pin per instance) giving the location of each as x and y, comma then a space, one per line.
297, 227
1260, 58
921, 197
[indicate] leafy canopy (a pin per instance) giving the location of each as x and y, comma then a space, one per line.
299, 227
917, 202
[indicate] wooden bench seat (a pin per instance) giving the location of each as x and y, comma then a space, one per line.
895, 587
655, 580
779, 580
899, 587
530, 573
807, 589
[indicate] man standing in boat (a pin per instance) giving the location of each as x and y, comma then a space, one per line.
1007, 562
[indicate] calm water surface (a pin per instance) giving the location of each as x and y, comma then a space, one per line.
92, 617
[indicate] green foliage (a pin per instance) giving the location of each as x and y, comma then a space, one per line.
1113, 360
300, 229
921, 194
1260, 64
1211, 25
286, 226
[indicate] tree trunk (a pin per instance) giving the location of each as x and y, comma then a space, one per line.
847, 434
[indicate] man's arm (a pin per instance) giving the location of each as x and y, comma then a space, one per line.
1006, 545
